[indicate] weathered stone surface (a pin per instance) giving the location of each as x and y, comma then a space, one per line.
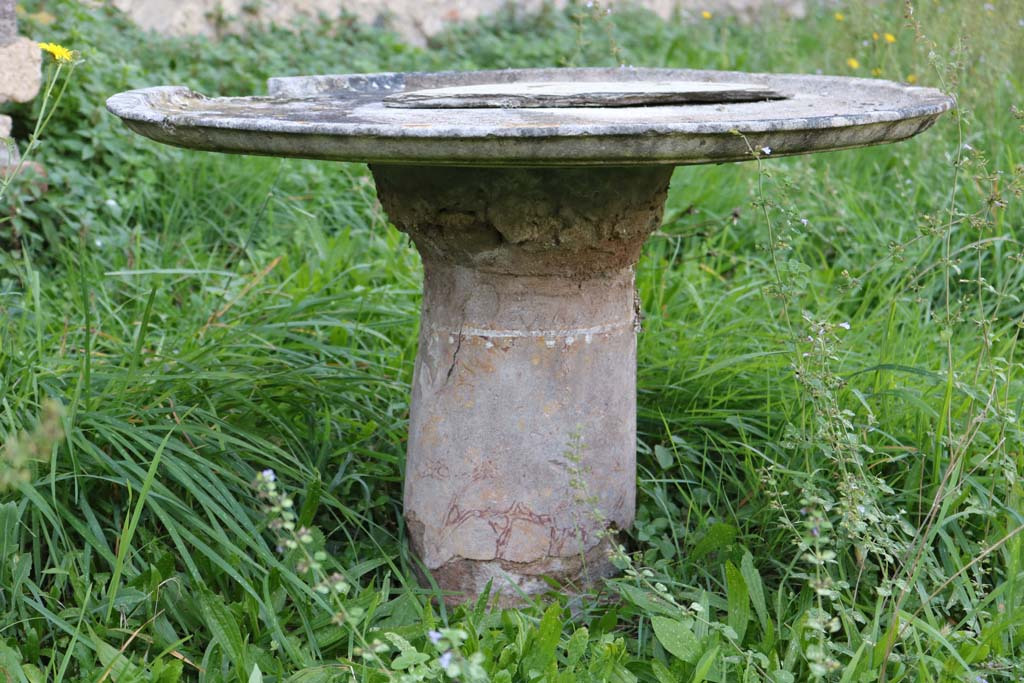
574, 94
20, 70
344, 118
415, 20
8, 150
522, 435
8, 23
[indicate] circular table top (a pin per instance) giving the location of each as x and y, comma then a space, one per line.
539, 117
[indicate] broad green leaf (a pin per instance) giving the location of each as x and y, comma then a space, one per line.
310, 501
224, 629
755, 588
546, 641
408, 655
647, 601
662, 673
738, 600
256, 676
703, 668
9, 517
409, 659
399, 642
577, 646
717, 537
168, 671
664, 456
677, 638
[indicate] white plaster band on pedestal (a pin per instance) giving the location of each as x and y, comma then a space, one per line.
579, 333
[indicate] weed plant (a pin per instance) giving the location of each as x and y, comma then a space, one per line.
205, 360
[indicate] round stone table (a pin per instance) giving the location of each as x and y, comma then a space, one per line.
528, 194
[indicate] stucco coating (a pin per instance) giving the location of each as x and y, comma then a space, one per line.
522, 436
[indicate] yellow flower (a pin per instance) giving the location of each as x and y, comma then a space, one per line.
840, 16
706, 14
876, 71
890, 38
853, 63
912, 78
874, 36
59, 52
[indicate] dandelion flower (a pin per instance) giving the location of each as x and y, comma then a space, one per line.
875, 36
706, 14
840, 16
853, 63
890, 38
59, 52
912, 78
876, 71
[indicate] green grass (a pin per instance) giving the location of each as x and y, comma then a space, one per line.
173, 323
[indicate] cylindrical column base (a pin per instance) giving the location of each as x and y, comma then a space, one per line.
522, 437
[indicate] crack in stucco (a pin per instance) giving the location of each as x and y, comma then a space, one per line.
455, 357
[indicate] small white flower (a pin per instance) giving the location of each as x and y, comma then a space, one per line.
804, 221
766, 150
268, 475
844, 325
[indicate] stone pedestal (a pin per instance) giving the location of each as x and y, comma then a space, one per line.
522, 438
